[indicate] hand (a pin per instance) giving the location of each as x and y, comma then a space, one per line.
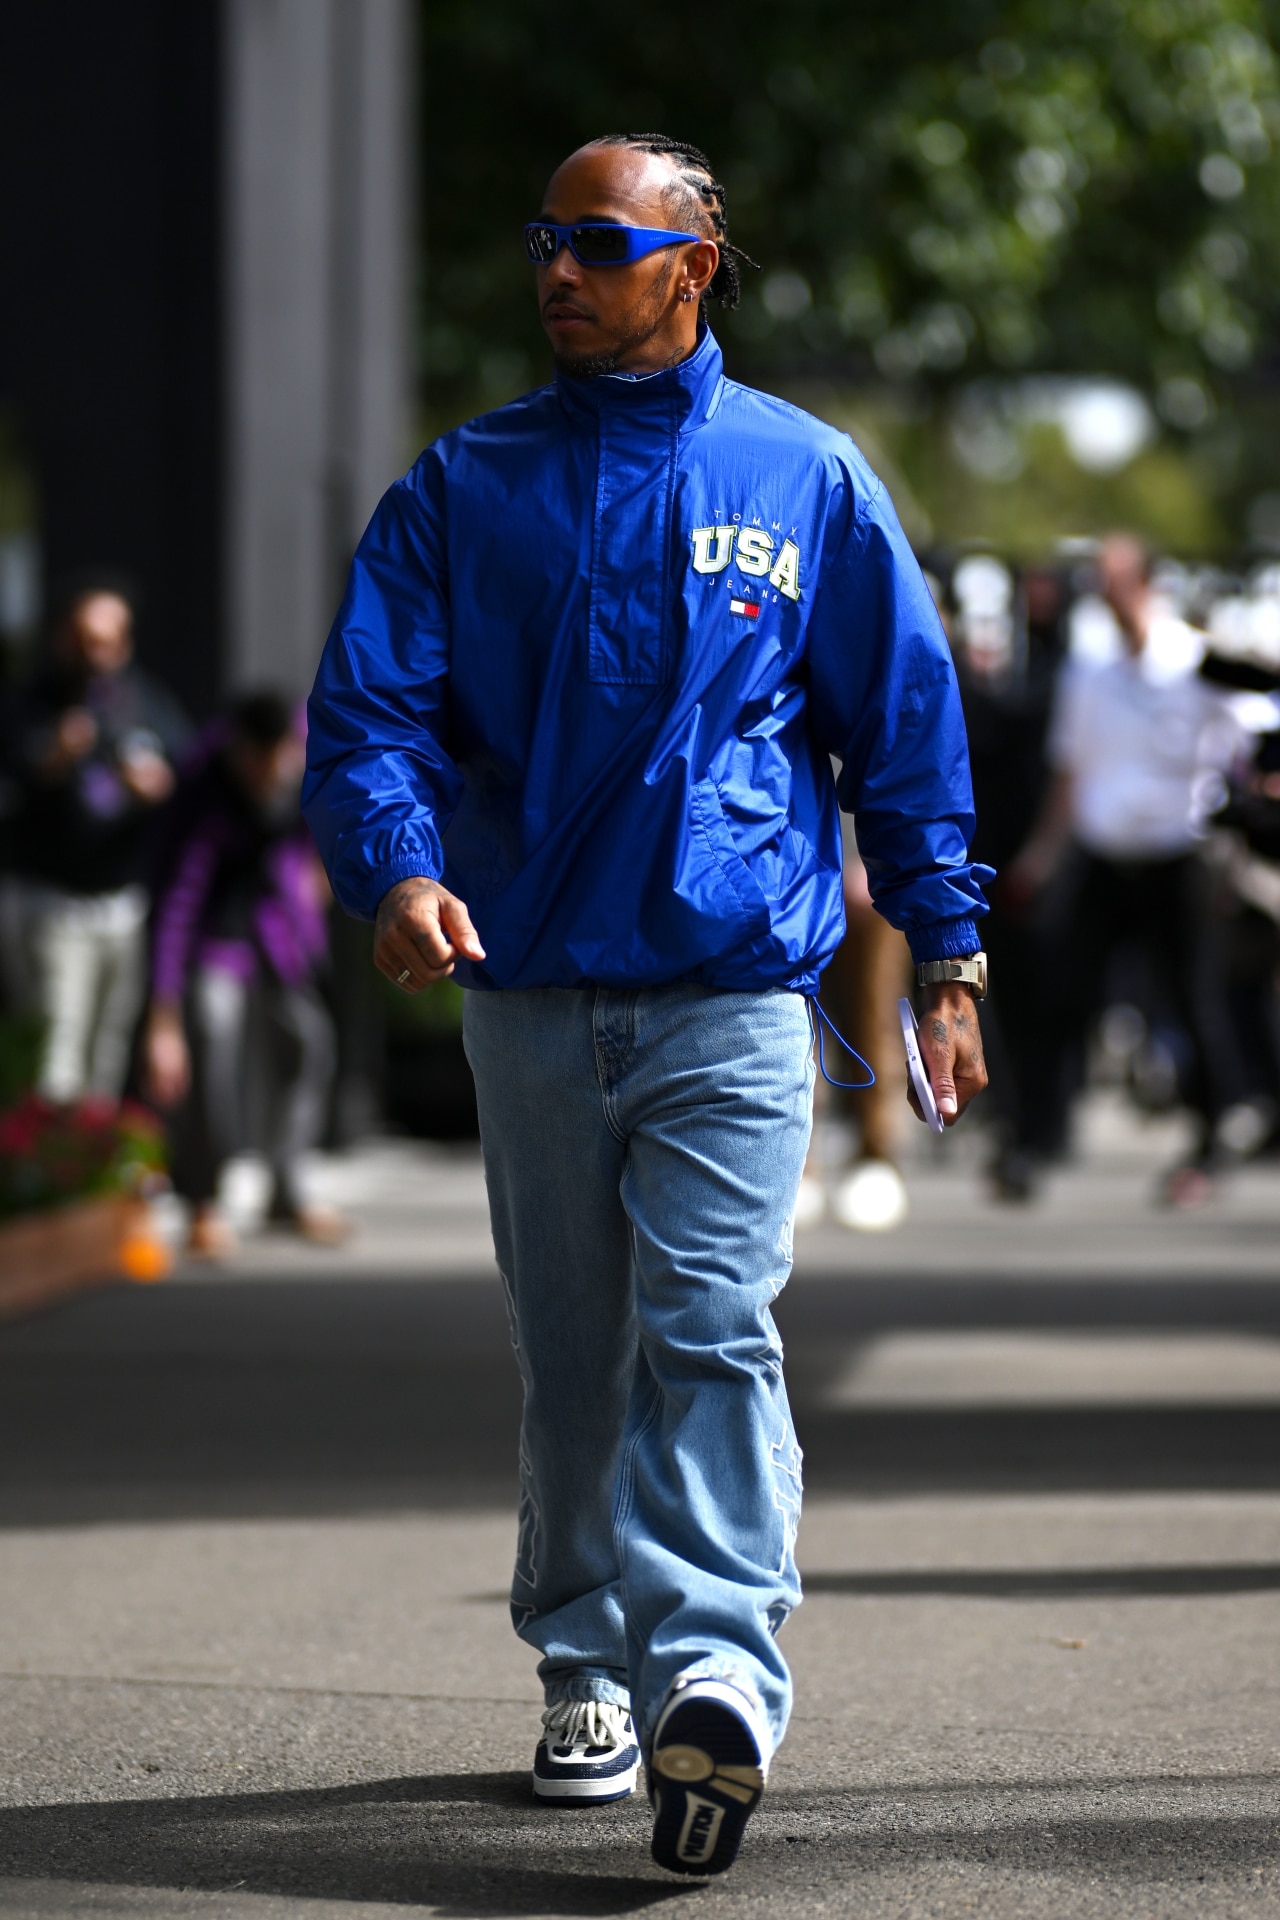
75, 735
1026, 876
1032, 868
421, 929
148, 776
951, 1046
165, 1055
317, 882
857, 894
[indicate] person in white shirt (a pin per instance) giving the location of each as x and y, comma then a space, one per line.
1138, 747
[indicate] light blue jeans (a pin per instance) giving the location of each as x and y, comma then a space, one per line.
643, 1151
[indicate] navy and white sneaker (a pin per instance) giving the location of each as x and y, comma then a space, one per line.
587, 1753
706, 1775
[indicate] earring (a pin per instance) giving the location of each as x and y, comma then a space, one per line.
686, 297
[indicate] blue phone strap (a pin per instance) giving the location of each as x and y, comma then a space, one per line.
816, 1026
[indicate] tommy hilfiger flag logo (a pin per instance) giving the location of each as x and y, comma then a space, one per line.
749, 609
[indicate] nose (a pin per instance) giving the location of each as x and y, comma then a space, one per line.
563, 271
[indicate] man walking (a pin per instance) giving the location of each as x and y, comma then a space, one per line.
1134, 748
570, 741
98, 742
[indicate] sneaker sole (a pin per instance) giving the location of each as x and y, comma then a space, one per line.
577, 1793
706, 1780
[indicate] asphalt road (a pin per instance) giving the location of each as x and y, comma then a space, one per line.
255, 1531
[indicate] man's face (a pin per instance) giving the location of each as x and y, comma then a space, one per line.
99, 633
1042, 596
1123, 574
269, 775
628, 318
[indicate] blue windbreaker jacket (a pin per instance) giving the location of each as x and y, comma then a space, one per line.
595, 655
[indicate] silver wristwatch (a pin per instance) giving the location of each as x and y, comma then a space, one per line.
971, 972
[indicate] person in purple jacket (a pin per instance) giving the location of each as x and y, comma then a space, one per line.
239, 935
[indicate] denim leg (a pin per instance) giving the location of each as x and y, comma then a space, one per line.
68, 966
305, 1056
714, 1094
124, 989
553, 1168
212, 1124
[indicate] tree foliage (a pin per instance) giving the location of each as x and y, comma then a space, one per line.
933, 193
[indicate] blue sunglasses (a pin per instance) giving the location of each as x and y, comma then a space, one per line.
597, 243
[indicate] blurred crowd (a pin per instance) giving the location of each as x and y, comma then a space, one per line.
163, 914
1124, 731
164, 918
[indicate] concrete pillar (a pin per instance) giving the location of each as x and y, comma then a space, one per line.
317, 165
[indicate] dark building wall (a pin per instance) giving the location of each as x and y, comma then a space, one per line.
109, 316
318, 139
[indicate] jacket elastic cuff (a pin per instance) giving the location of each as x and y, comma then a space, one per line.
944, 940
409, 866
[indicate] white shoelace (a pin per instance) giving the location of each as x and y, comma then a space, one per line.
601, 1722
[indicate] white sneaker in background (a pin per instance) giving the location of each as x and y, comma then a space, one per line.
811, 1202
871, 1198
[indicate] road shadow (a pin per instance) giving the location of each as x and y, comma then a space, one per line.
855, 1304
260, 1398
1049, 1583
285, 1397
474, 1846
466, 1845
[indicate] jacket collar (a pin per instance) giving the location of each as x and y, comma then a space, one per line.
690, 391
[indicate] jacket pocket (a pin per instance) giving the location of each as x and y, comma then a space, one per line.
734, 885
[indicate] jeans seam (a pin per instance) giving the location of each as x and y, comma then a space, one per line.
626, 1490
606, 1104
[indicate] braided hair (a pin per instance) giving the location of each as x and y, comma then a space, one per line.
695, 197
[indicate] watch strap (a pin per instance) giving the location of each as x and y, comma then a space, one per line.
969, 970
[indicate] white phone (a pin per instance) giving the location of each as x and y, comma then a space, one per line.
916, 1067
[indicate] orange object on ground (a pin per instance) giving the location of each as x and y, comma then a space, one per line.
44, 1257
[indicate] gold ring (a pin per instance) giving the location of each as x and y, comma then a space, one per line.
402, 977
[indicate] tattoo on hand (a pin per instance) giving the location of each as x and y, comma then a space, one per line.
939, 1032
406, 892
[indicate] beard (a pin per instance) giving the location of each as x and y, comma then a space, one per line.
587, 366
636, 326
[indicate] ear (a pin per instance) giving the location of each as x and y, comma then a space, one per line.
698, 270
